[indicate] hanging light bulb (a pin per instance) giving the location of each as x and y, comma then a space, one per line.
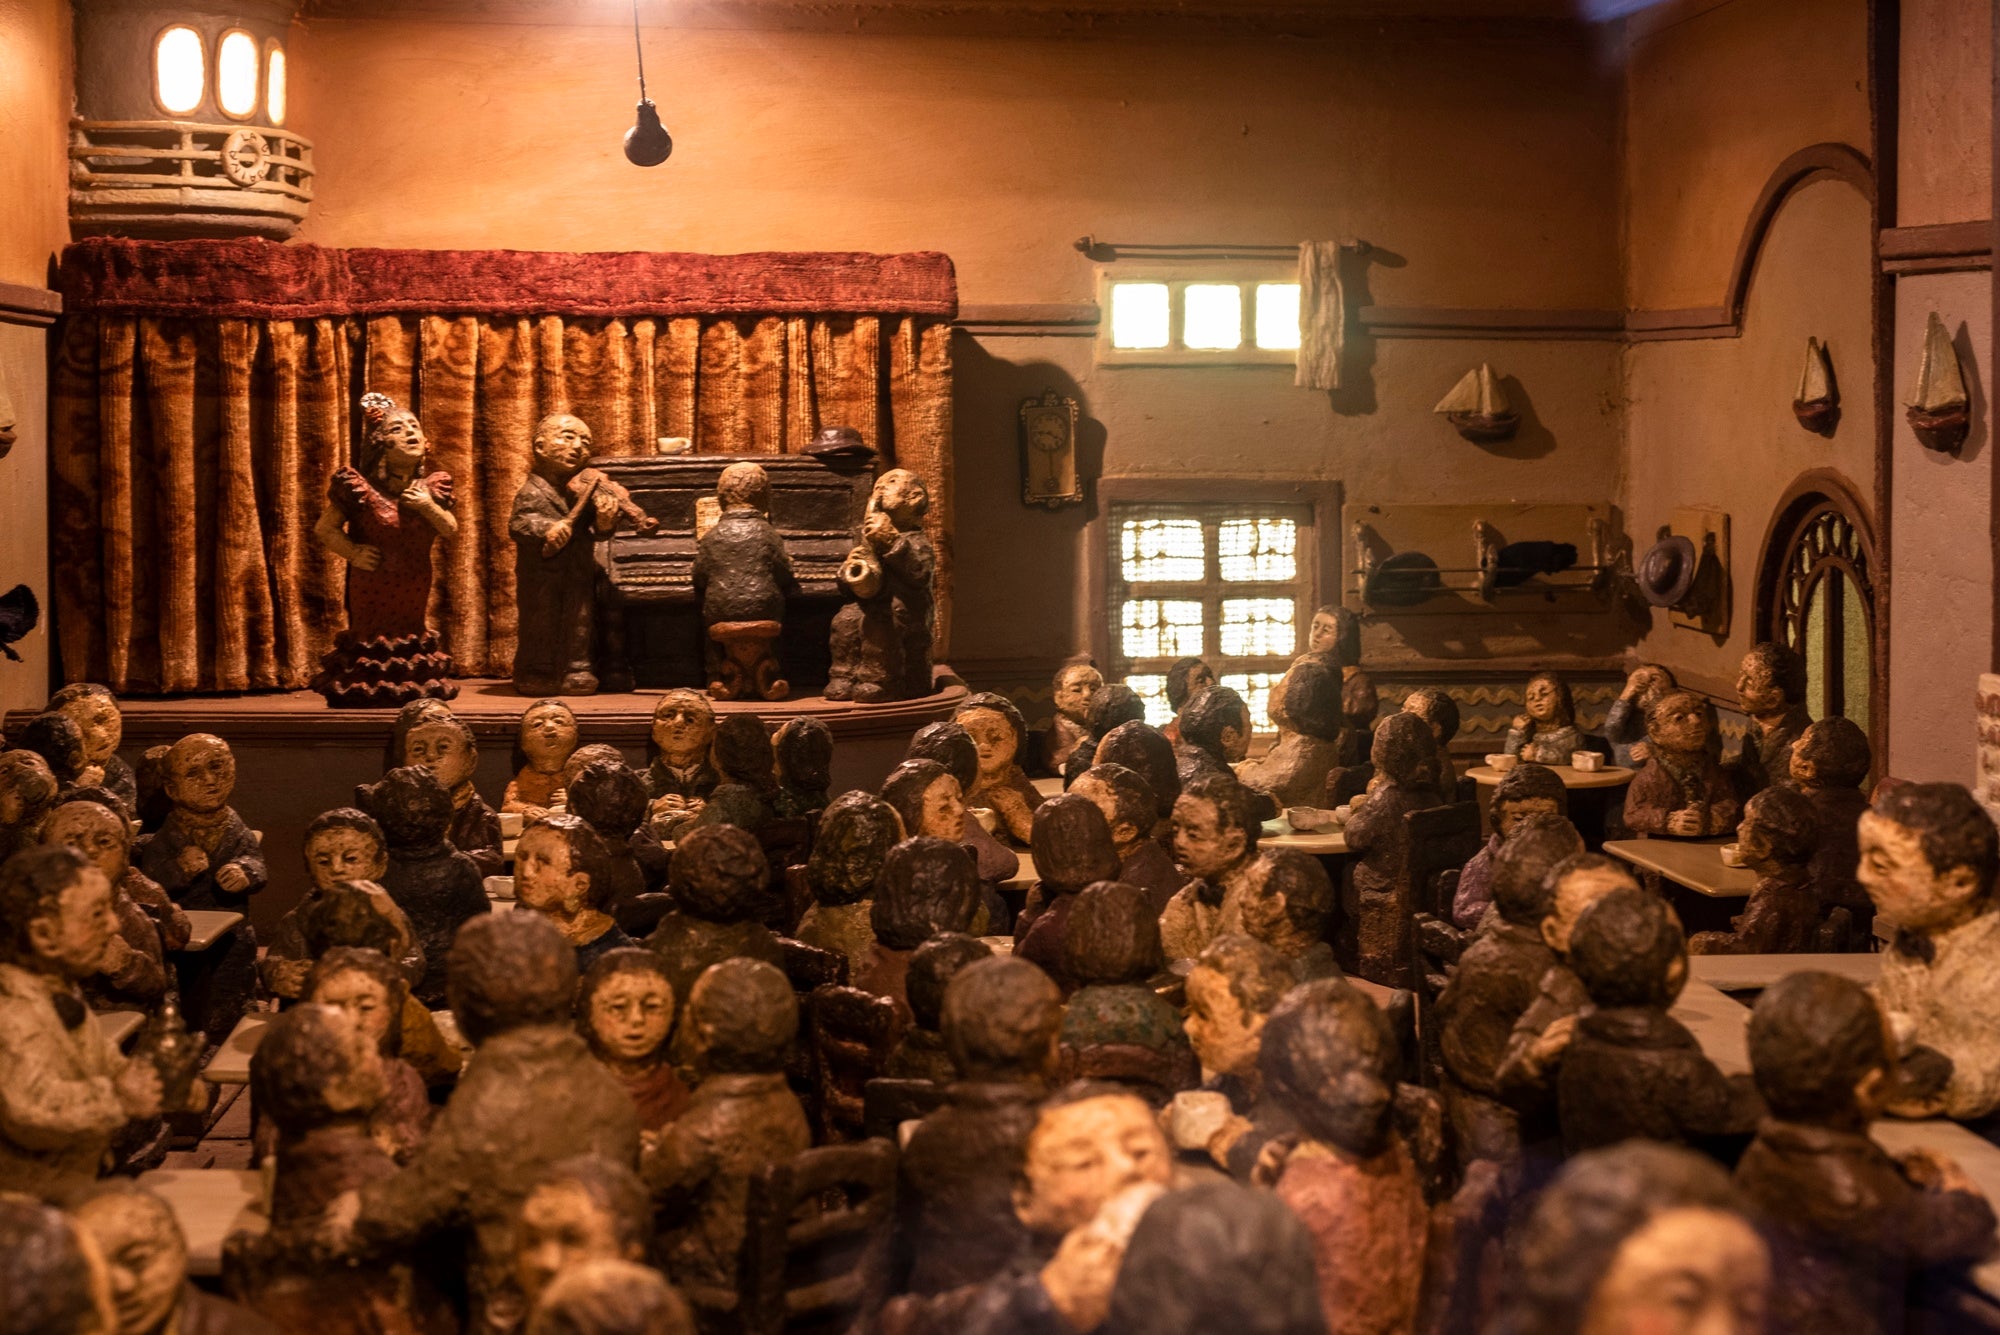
647, 143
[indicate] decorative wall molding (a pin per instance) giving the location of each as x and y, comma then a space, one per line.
1937, 247
21, 304
1469, 323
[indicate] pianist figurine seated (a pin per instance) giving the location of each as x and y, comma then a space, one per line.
741, 576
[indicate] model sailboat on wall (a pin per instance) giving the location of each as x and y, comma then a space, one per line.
1817, 404
1478, 408
1939, 409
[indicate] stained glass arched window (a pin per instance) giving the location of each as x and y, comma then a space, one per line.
1816, 593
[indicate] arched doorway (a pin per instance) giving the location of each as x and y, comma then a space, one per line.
1816, 593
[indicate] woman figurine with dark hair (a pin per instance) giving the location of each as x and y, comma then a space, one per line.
382, 518
1546, 731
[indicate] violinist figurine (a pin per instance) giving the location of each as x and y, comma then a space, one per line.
1683, 791
742, 575
1771, 690
94, 709
882, 640
383, 518
555, 566
548, 738
1545, 732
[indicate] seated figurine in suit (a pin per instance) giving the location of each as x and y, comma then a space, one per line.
680, 777
1001, 736
747, 772
1777, 840
1130, 809
1215, 733
1335, 636
742, 575
921, 1053
1215, 844
1633, 1071
1216, 1256
446, 748
719, 873
1771, 691
1852, 1223
548, 736
1526, 791
95, 710
1186, 678
437, 886
1070, 693
1116, 1027
1683, 791
1830, 762
1073, 848
927, 886
1305, 706
1545, 731
856, 833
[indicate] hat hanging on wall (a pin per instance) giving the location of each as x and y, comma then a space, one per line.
1939, 409
1666, 572
1403, 580
1817, 404
1477, 407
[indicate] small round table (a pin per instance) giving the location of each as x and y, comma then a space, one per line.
1611, 776
1588, 812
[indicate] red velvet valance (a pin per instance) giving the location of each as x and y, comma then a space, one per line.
262, 280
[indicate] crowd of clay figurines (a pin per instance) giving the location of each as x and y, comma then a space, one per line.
738, 1052
385, 512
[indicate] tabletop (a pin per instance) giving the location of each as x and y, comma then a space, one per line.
210, 926
210, 1204
1611, 776
1753, 973
230, 1065
1051, 787
1320, 843
119, 1026
1696, 864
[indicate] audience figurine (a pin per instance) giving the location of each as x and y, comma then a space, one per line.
555, 562
926, 799
1545, 732
374, 993
1231, 990
1625, 720
1305, 706
1637, 1237
747, 776
803, 748
1071, 691
548, 735
1000, 736
1771, 692
1830, 762
582, 1210
1523, 792
1217, 1257
531, 1096
1496, 981
144, 1256
625, 1011
680, 777
882, 640
27, 795
1215, 734
557, 874
1439, 712
856, 833
445, 746
927, 886
1147, 753
1130, 809
94, 709
1928, 860
1111, 706
57, 739
1334, 637
1215, 844
436, 886
135, 974
55, 1279
950, 745
205, 857
1683, 791
1000, 1022
1535, 1046
1404, 757
359, 915
1632, 1070
424, 709
608, 797
1186, 678
742, 575
1073, 848
741, 1019
1850, 1223
1777, 840
344, 849
718, 879
1115, 1027
68, 1089
921, 1053
609, 1297
1329, 1060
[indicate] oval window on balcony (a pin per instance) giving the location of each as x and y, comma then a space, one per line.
180, 70
236, 74
274, 84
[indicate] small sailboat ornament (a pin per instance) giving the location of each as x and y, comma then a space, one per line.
1939, 409
1817, 404
1478, 407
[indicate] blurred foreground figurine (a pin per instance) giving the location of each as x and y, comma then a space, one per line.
1771, 690
927, 886
1070, 693
1116, 1027
344, 851
1111, 706
1072, 849
625, 1011
135, 974
1928, 860
1683, 791
1217, 1257
371, 990
882, 640
555, 564
1638, 1237
583, 1210
383, 519
1305, 706
1851, 1222
94, 709
548, 737
27, 796
436, 886
605, 1297
145, 1258
741, 577
1545, 732
55, 1279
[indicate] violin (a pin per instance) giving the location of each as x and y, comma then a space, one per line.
590, 481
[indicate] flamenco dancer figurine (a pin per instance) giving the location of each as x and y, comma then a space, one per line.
382, 519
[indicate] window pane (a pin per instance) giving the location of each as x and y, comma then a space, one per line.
1815, 648
274, 93
180, 70
1214, 316
1277, 315
1139, 315
236, 74
1259, 549
1255, 688
1152, 689
1259, 627
1161, 629
1162, 549
1856, 670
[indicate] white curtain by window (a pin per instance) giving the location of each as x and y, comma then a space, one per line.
1322, 315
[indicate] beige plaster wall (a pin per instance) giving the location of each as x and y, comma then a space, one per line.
1716, 96
24, 520
1945, 126
34, 137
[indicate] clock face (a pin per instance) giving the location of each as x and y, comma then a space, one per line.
1047, 434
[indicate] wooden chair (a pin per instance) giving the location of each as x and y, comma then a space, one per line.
810, 967
887, 1102
1442, 840
817, 1240
853, 1033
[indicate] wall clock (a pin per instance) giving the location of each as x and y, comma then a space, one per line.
1048, 452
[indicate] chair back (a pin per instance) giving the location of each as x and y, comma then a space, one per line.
853, 1033
889, 1101
817, 1241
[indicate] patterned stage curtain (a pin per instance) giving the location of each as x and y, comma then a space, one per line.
191, 455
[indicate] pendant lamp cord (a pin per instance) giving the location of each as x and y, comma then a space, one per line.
640, 48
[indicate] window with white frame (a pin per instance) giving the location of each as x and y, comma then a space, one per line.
1197, 321
1226, 583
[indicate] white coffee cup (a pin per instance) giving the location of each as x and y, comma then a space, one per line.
1501, 761
1586, 762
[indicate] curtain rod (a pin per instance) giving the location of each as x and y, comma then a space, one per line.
1110, 250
